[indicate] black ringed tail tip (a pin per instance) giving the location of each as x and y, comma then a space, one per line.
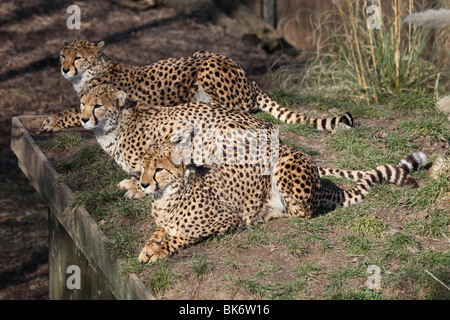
413, 161
347, 119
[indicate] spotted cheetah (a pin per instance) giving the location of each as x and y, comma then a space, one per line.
122, 130
193, 202
202, 77
122, 127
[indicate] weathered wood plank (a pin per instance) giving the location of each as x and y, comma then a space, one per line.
79, 225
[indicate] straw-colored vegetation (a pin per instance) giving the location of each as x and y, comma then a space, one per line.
365, 52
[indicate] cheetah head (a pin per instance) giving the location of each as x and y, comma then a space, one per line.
162, 172
100, 108
77, 56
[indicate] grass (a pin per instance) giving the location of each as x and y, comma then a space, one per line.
162, 279
63, 141
368, 226
200, 265
429, 126
399, 230
307, 272
124, 242
305, 149
274, 290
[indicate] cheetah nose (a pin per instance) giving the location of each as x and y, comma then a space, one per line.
65, 70
145, 185
84, 120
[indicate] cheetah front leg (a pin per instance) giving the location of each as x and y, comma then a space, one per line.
153, 244
172, 245
134, 192
65, 119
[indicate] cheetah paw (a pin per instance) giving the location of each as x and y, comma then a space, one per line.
128, 184
133, 191
134, 194
144, 257
50, 125
150, 255
158, 255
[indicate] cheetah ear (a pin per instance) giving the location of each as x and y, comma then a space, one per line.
64, 43
121, 98
100, 45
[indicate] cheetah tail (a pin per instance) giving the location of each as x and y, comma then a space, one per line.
395, 174
266, 104
410, 163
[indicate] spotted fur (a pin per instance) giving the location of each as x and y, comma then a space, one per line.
122, 130
193, 202
203, 77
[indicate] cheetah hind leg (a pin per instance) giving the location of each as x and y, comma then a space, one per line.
134, 192
153, 244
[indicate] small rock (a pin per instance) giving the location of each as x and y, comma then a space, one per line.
443, 105
390, 232
440, 166
412, 249
379, 134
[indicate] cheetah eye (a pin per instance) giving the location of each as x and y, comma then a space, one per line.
157, 170
62, 56
76, 58
97, 106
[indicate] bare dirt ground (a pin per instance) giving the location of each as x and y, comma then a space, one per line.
30, 83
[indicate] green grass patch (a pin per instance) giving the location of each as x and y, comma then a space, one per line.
200, 265
433, 126
124, 243
62, 141
368, 226
412, 101
304, 149
358, 245
267, 117
162, 279
307, 272
97, 201
300, 129
284, 98
429, 194
360, 148
259, 235
274, 290
411, 273
365, 294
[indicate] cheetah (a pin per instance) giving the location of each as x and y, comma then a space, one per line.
194, 202
121, 127
202, 77
122, 130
